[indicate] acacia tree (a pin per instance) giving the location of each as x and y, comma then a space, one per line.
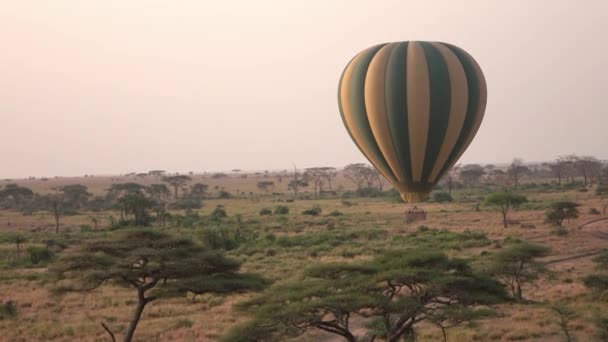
137, 205
177, 182
298, 182
329, 173
516, 170
471, 174
589, 168
505, 201
568, 163
391, 294
450, 177
561, 168
159, 192
317, 178
516, 266
155, 264
75, 196
265, 185
361, 175
562, 210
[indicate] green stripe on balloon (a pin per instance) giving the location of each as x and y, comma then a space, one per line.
396, 106
439, 78
474, 94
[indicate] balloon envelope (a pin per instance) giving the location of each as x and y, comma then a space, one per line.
412, 108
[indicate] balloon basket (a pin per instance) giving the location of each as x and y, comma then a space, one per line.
415, 214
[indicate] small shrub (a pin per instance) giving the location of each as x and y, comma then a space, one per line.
219, 213
8, 310
39, 255
314, 211
593, 211
183, 323
281, 210
348, 254
348, 203
423, 229
335, 213
220, 238
224, 195
85, 228
265, 211
560, 231
442, 197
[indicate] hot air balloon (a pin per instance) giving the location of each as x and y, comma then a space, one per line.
412, 108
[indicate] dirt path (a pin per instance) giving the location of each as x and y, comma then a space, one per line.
596, 229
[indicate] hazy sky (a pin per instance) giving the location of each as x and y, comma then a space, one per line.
113, 86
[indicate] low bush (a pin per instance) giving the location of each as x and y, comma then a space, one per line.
39, 255
314, 211
8, 310
265, 211
441, 197
218, 213
281, 210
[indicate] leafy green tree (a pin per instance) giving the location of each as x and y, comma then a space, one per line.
16, 197
75, 196
177, 182
159, 192
198, 191
562, 210
391, 294
136, 204
155, 264
517, 265
505, 201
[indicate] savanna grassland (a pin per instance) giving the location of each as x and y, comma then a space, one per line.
276, 237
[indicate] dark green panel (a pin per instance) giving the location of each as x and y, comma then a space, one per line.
358, 104
342, 110
472, 107
439, 80
396, 106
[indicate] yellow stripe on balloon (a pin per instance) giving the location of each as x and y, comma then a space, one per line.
347, 108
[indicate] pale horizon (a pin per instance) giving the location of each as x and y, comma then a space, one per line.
130, 86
